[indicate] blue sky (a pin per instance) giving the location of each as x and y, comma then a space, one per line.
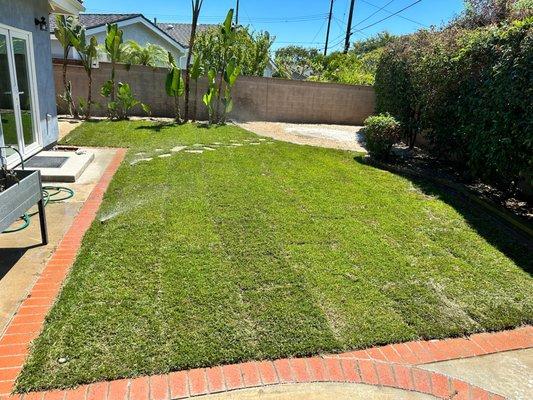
300, 22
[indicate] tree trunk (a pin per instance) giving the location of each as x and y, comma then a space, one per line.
68, 88
113, 62
195, 106
177, 105
89, 96
196, 8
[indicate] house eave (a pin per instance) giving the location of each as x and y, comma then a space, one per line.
66, 7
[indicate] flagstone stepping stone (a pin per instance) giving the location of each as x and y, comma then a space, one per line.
209, 148
197, 145
217, 143
255, 144
194, 151
165, 155
177, 149
135, 162
237, 144
140, 154
159, 150
262, 140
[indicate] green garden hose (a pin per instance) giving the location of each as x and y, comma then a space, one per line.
50, 195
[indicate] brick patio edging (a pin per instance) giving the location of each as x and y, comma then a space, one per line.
392, 365
29, 318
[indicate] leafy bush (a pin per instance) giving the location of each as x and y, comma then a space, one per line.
469, 92
381, 133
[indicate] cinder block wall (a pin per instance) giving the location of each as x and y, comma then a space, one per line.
264, 99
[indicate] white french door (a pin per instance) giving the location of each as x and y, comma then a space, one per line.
19, 122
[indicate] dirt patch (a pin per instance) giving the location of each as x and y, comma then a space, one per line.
344, 137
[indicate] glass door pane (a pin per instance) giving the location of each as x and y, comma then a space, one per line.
20, 52
8, 121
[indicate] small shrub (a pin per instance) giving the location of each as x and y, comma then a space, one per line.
381, 133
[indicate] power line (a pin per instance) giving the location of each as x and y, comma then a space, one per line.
374, 13
392, 15
399, 16
383, 19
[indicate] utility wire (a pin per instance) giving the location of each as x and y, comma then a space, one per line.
390, 12
374, 13
390, 16
383, 19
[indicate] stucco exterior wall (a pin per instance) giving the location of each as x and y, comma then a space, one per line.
265, 99
21, 15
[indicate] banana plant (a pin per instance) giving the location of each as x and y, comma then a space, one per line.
125, 101
227, 37
231, 74
65, 27
113, 47
88, 53
195, 73
211, 94
175, 85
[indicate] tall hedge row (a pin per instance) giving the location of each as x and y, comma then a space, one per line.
470, 93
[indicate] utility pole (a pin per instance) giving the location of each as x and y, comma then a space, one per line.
349, 28
237, 14
329, 27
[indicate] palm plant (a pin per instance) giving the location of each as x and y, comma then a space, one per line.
196, 8
150, 55
64, 27
195, 73
227, 38
88, 53
175, 87
113, 47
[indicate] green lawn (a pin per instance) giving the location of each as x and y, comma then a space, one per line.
266, 251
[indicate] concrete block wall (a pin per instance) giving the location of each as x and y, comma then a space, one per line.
255, 98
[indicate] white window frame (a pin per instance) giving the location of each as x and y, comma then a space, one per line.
33, 148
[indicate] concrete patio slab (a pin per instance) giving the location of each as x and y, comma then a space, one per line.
71, 168
509, 374
320, 391
22, 258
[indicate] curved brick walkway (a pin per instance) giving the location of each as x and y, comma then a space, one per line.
389, 366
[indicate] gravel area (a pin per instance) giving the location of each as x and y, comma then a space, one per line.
331, 136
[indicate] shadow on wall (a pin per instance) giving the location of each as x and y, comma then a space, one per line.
507, 239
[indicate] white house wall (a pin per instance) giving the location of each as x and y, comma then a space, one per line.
21, 15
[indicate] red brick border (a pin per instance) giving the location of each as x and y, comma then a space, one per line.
29, 319
392, 365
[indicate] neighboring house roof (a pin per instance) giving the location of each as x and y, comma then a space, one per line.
182, 32
68, 7
90, 21
178, 32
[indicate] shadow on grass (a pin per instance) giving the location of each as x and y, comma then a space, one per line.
158, 127
516, 245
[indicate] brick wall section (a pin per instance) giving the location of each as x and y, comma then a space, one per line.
265, 99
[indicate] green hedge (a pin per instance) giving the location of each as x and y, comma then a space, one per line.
469, 92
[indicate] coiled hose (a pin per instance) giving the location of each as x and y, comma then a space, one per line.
51, 194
